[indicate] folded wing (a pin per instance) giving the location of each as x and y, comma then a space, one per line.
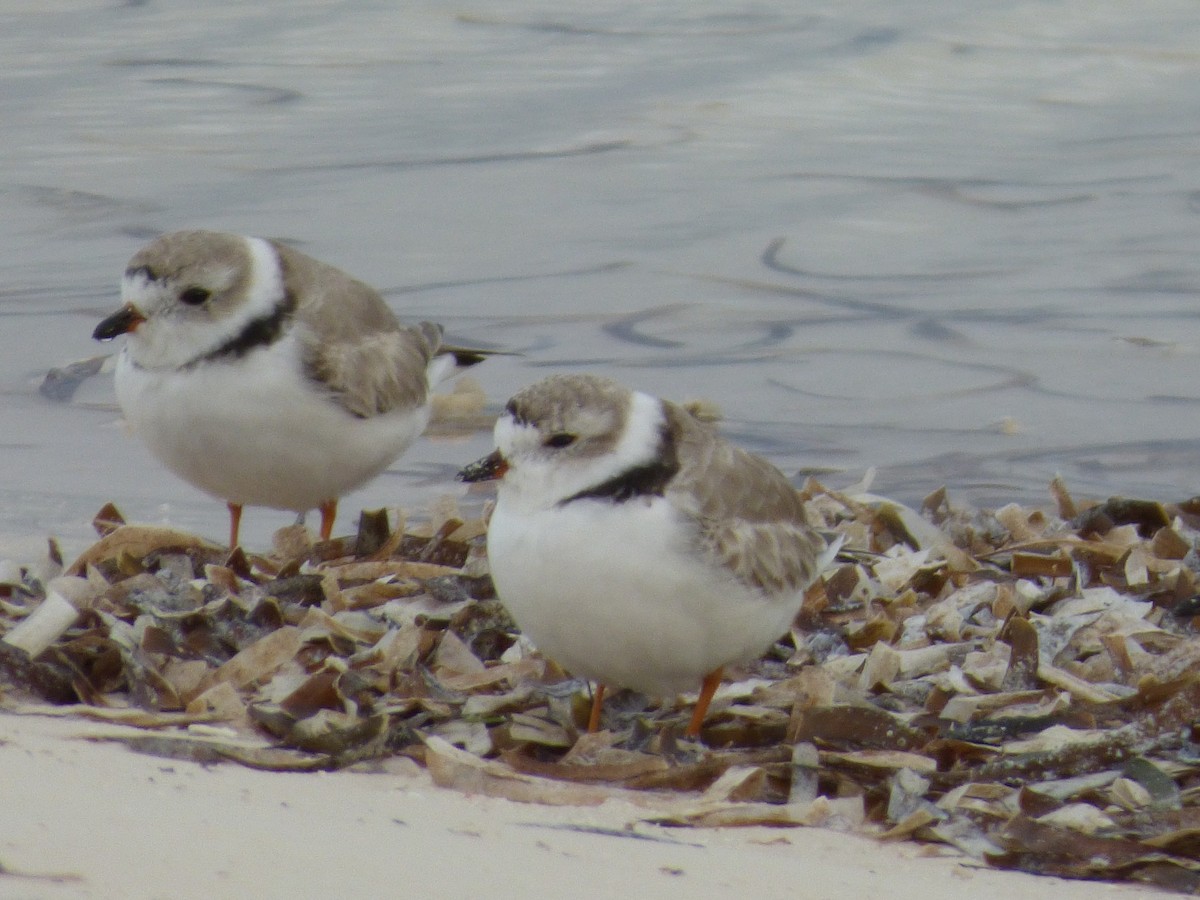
749, 516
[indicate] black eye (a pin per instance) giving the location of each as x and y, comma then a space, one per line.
194, 296
562, 439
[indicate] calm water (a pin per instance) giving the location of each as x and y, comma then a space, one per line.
959, 244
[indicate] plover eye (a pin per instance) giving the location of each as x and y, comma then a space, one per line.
562, 439
194, 296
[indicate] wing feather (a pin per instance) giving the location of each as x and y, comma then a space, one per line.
749, 517
376, 373
353, 345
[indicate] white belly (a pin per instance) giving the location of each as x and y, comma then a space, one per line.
616, 593
253, 432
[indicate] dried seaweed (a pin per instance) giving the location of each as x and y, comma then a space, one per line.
1020, 684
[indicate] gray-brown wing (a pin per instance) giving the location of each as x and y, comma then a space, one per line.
352, 343
748, 515
376, 373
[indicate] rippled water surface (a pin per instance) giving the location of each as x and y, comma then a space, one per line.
958, 244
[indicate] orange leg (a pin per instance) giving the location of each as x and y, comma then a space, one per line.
235, 523
597, 704
709, 687
328, 514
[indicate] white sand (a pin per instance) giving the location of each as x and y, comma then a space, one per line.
86, 819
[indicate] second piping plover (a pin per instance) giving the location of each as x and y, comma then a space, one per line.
265, 377
636, 546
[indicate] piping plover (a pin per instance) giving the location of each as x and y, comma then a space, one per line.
265, 377
636, 546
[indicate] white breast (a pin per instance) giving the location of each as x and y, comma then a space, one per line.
255, 431
618, 593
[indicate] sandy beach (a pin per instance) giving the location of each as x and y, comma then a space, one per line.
82, 818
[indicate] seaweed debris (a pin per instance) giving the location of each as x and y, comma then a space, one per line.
1020, 684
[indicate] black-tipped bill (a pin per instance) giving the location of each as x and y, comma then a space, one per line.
123, 321
490, 468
